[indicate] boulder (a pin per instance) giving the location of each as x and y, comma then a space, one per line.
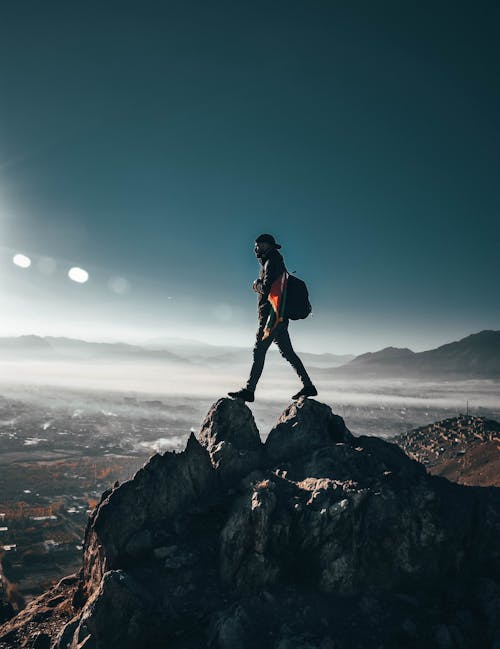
305, 426
230, 435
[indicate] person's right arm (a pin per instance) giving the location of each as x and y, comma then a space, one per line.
270, 274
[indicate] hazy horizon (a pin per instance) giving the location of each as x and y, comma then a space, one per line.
345, 343
158, 341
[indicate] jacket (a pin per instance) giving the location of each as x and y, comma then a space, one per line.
272, 266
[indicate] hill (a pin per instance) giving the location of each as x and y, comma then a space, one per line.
464, 449
475, 356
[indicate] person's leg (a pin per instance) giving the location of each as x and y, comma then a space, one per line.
286, 350
259, 353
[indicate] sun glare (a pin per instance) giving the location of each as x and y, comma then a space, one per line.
22, 261
78, 274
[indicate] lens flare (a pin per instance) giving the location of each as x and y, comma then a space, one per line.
78, 274
118, 285
21, 260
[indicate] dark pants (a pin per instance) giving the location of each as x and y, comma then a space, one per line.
281, 337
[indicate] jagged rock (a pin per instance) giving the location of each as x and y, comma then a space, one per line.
43, 618
114, 617
139, 544
232, 629
305, 426
231, 437
69, 580
315, 539
6, 611
248, 548
164, 487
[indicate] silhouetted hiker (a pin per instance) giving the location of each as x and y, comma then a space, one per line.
273, 323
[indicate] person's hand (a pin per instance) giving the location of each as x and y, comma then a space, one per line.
256, 284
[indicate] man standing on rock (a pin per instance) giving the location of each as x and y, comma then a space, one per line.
273, 323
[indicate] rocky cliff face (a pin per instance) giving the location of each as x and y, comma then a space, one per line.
315, 539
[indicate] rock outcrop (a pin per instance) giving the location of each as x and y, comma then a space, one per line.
315, 539
7, 610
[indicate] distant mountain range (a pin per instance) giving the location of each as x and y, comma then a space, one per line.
475, 356
60, 348
178, 350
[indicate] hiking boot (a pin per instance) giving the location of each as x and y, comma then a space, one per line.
246, 395
307, 391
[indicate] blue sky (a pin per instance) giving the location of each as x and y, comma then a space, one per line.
152, 142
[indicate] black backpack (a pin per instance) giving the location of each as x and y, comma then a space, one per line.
297, 305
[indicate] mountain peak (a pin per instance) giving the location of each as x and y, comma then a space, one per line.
476, 356
382, 355
288, 543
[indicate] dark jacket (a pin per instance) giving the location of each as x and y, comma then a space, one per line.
272, 266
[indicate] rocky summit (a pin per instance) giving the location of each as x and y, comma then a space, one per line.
315, 539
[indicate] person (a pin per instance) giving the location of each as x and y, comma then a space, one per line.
273, 323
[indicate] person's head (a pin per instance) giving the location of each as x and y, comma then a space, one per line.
264, 243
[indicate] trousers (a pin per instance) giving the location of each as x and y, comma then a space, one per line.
281, 337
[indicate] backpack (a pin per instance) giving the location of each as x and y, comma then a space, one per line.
297, 305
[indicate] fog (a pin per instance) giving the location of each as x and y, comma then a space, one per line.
186, 391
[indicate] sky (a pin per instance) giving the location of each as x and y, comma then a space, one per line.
150, 143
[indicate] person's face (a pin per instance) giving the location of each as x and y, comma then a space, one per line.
260, 248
